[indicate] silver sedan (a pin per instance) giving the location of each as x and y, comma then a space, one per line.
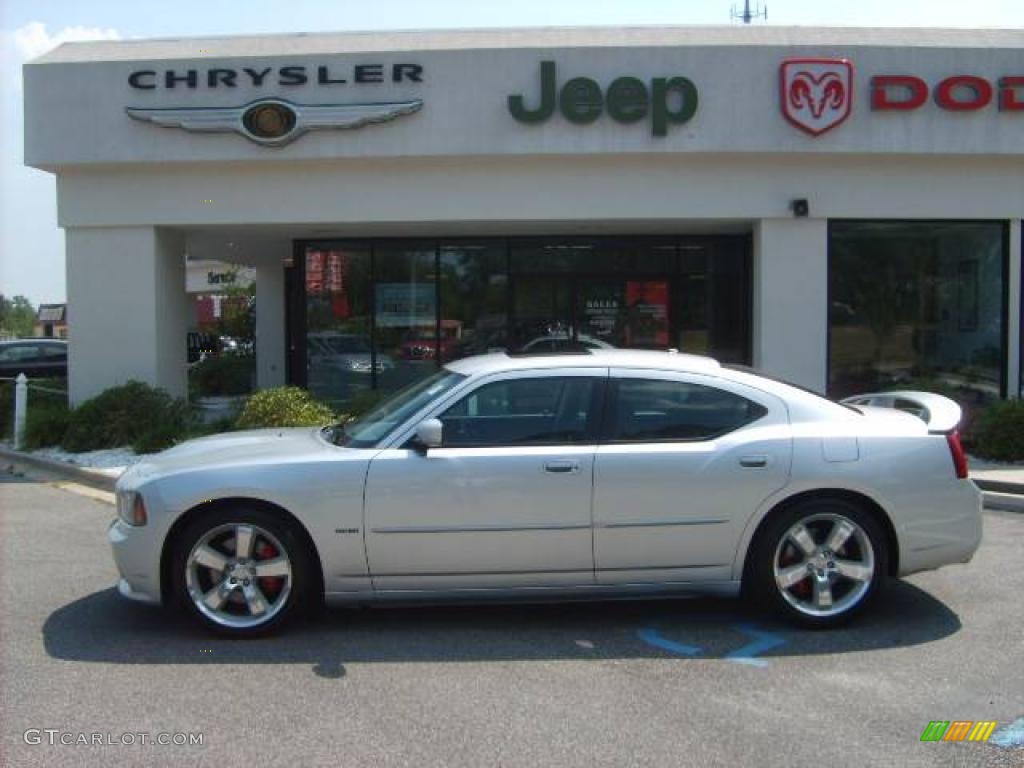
598, 473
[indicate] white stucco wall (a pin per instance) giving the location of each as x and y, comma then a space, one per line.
791, 300
271, 347
76, 97
462, 165
127, 323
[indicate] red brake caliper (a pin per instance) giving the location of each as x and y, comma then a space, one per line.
269, 584
801, 589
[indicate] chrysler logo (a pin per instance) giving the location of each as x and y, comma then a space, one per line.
275, 122
817, 94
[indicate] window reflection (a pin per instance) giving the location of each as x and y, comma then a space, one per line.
382, 314
917, 304
338, 353
474, 299
405, 328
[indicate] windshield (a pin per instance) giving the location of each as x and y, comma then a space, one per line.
368, 429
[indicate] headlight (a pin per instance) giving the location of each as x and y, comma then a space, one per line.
131, 508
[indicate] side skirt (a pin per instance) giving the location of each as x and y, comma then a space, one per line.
639, 591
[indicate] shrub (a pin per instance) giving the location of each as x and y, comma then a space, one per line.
228, 374
133, 414
45, 425
284, 407
6, 409
998, 432
36, 398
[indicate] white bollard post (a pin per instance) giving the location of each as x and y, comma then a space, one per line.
20, 406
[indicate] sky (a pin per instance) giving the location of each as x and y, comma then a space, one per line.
31, 243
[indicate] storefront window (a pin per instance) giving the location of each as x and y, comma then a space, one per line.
339, 359
382, 314
474, 299
917, 304
405, 325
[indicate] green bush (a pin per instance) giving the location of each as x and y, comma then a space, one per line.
35, 399
45, 425
228, 374
998, 432
133, 414
284, 407
6, 409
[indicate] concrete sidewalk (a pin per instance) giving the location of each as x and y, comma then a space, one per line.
1002, 478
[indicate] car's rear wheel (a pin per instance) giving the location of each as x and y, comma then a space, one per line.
240, 572
819, 562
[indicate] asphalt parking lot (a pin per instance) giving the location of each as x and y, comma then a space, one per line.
658, 683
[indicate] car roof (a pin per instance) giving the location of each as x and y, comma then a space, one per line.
803, 404
592, 358
34, 340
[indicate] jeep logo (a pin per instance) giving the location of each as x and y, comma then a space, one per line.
668, 101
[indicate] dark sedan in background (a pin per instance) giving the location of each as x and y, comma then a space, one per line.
36, 358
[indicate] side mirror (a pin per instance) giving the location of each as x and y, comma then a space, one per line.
429, 433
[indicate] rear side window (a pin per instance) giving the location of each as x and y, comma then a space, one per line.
654, 410
20, 353
53, 352
535, 411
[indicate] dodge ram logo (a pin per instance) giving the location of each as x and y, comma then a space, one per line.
817, 94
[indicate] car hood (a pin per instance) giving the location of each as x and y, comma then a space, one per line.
255, 446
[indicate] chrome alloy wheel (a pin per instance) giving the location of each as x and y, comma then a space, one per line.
238, 575
824, 565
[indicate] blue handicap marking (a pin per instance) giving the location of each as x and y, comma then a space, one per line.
763, 641
652, 637
1009, 736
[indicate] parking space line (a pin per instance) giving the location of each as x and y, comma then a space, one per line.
1009, 736
651, 636
763, 641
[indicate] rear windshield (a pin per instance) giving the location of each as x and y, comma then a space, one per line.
777, 380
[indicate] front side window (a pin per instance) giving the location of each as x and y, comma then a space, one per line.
52, 352
535, 411
653, 410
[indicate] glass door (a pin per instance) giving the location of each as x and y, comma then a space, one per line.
616, 312
541, 316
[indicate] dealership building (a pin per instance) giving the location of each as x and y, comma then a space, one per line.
838, 207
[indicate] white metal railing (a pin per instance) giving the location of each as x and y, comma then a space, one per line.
21, 386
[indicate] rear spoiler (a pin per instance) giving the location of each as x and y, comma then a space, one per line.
941, 414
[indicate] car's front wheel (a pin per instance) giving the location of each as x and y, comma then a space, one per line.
240, 572
819, 562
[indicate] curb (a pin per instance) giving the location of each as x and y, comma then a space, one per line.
999, 486
79, 474
1004, 502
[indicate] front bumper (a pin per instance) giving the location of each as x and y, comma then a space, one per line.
136, 561
125, 589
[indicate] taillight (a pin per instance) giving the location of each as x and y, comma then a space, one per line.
956, 450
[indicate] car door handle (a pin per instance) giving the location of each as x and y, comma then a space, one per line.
561, 467
753, 462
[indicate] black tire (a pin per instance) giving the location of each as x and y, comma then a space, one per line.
774, 540
296, 592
